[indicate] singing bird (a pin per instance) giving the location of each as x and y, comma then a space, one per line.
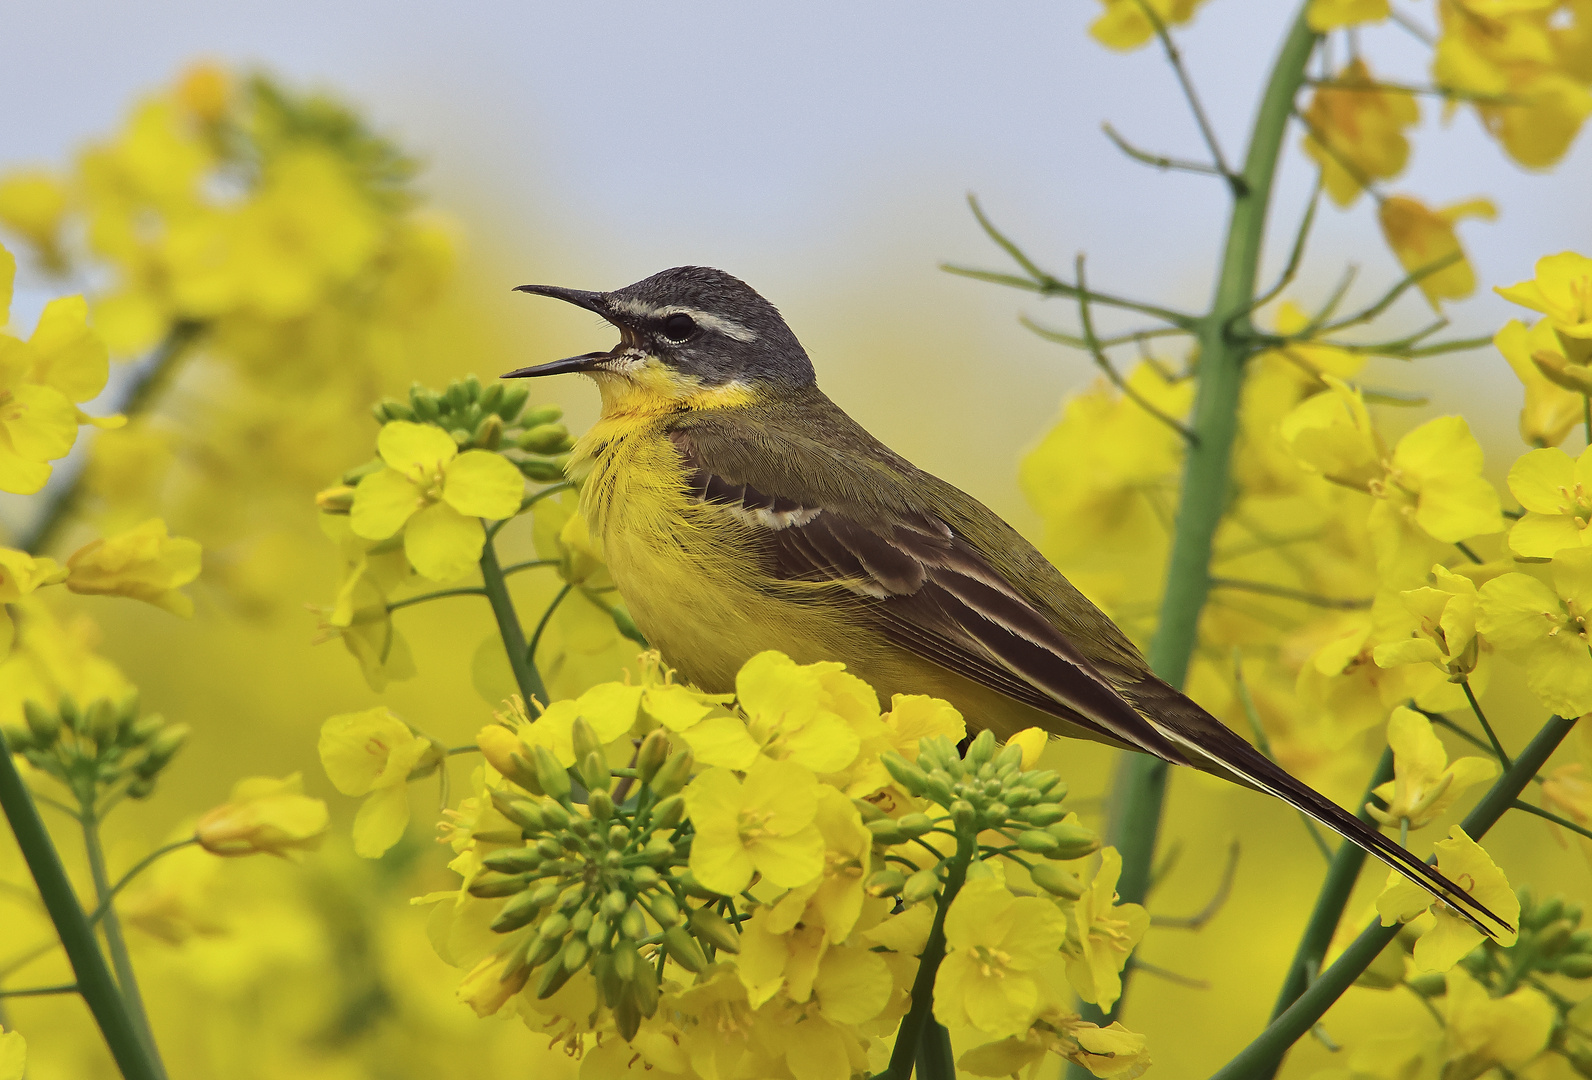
740, 510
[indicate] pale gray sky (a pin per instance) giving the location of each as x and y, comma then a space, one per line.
822, 152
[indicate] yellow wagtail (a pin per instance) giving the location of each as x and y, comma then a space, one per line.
741, 510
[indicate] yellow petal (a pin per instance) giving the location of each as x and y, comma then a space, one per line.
441, 543
1543, 480
483, 484
407, 446
383, 501
381, 821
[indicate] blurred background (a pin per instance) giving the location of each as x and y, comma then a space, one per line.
823, 153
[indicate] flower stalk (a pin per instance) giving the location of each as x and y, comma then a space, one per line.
526, 675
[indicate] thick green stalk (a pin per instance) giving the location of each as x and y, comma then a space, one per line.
1259, 1059
1141, 780
94, 981
526, 675
910, 1035
115, 942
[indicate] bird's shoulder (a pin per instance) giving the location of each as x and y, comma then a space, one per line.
835, 499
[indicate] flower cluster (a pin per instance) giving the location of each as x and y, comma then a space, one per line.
99, 747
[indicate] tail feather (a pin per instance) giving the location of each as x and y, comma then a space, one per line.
1228, 755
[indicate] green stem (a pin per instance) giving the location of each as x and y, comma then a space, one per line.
138, 868
936, 1059
152, 377
909, 1036
1343, 872
40, 991
1259, 1059
1475, 707
1141, 780
408, 601
526, 676
94, 979
115, 941
547, 617
1549, 815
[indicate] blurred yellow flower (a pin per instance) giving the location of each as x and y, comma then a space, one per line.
1102, 934
1450, 937
911, 717
38, 423
65, 353
1556, 493
20, 574
143, 563
1125, 24
1421, 237
1568, 790
997, 949
1546, 629
1538, 360
436, 495
264, 815
1485, 1031
1561, 290
761, 825
13, 1055
489, 985
33, 203
1424, 784
361, 619
1433, 490
1112, 1053
204, 90
1331, 433
372, 753
1444, 627
1325, 15
1356, 131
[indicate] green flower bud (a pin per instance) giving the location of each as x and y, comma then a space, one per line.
546, 893
544, 948
610, 987
127, 715
581, 921
549, 848
544, 439
140, 787
915, 824
491, 886
513, 861
542, 414
597, 933
1581, 941
491, 395
1575, 965
903, 772
668, 813
550, 775
658, 851
161, 750
1572, 911
673, 774
982, 749
1543, 913
554, 976
584, 738
627, 1017
869, 811
1042, 814
996, 813
1038, 841
692, 887
1073, 841
937, 786
613, 904
45, 725
600, 803
554, 816
523, 772
963, 816
1428, 984
1056, 881
540, 470
1554, 938
469, 389
644, 878
67, 708
488, 434
517, 912
651, 755
144, 729
633, 923
665, 910
461, 436
644, 987
920, 886
717, 932
595, 772
392, 409
17, 740
425, 404
512, 402
1009, 757
884, 883
579, 826
522, 813
1046, 782
937, 752
887, 832
683, 949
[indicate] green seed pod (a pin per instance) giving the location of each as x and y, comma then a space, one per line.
600, 803
633, 923
963, 816
520, 811
714, 930
673, 774
544, 439
920, 886
1073, 841
512, 401
554, 976
1042, 814
1009, 757
541, 414
513, 861
1056, 881
519, 911
1575, 965
44, 724
491, 886
1428, 984
683, 949
1038, 841
644, 877
550, 774
540, 470
887, 832
903, 772
651, 755
884, 883
688, 882
595, 772
668, 813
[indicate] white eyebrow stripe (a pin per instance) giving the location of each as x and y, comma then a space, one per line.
642, 310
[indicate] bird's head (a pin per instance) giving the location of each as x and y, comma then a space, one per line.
684, 333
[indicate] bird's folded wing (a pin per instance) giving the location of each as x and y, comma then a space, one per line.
931, 592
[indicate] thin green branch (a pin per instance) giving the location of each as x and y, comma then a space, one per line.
1159, 161
1549, 815
1197, 921
529, 564
138, 868
1296, 254
1390, 297
526, 675
40, 991
1235, 182
1283, 592
94, 980
115, 940
1481, 717
1261, 1057
547, 617
408, 601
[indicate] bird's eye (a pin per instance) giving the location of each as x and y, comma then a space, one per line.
679, 327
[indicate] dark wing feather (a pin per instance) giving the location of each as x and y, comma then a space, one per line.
927, 585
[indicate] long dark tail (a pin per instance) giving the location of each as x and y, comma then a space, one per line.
1213, 747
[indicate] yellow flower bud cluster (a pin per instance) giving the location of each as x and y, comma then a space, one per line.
98, 747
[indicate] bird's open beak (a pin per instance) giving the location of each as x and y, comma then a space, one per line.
584, 362
591, 301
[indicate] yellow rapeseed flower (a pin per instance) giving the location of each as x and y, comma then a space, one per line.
761, 825
1556, 493
1424, 784
1485, 1031
13, 1055
487, 988
1561, 290
436, 495
38, 423
143, 563
1102, 934
1325, 15
372, 753
997, 950
912, 717
1112, 1053
1546, 629
1538, 360
264, 815
1442, 630
1422, 236
1356, 131
1462, 861
20, 574
831, 903
1124, 24
33, 203
1332, 433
